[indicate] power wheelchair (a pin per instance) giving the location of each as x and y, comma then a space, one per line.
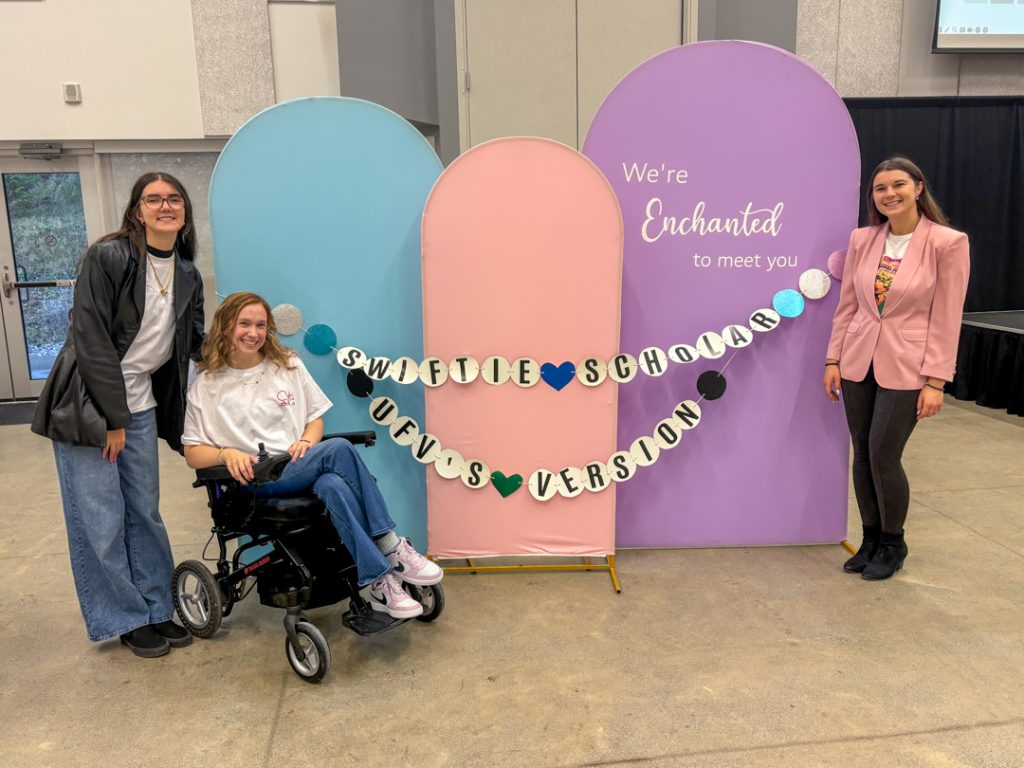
289, 550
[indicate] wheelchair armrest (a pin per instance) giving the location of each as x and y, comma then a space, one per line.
266, 471
218, 472
270, 469
367, 437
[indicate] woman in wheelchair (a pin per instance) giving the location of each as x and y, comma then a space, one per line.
252, 389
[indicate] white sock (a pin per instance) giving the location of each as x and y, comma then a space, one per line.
387, 543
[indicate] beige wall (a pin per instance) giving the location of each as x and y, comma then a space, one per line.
883, 48
157, 71
178, 70
304, 41
135, 61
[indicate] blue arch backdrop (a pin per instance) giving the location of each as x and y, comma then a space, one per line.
317, 203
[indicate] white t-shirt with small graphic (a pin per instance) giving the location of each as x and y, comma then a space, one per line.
154, 342
233, 408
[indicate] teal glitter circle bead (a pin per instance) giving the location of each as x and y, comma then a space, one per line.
788, 303
320, 339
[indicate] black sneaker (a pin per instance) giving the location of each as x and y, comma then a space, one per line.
145, 642
176, 637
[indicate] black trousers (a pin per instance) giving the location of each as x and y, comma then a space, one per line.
880, 421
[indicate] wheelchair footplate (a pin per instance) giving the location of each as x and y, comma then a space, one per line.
365, 621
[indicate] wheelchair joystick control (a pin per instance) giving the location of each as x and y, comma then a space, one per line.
263, 455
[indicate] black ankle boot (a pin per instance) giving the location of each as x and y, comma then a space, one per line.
869, 545
892, 551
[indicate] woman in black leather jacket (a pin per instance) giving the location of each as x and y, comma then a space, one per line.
117, 385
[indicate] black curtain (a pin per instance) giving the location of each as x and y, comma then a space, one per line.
972, 153
990, 369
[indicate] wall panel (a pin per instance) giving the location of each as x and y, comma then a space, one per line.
869, 48
613, 38
817, 35
233, 58
521, 59
304, 42
992, 74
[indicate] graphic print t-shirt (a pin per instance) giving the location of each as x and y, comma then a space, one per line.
895, 247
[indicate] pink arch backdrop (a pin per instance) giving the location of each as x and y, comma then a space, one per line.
522, 257
719, 131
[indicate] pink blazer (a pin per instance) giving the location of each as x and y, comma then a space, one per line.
916, 335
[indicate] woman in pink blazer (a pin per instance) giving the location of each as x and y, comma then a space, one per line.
893, 346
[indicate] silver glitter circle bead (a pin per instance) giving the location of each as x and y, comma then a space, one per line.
815, 283
288, 319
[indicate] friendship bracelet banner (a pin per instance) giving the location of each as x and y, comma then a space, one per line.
737, 168
570, 481
525, 371
318, 202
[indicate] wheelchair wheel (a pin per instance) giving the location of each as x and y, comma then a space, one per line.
197, 598
317, 661
431, 598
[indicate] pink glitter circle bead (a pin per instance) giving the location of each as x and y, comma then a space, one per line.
836, 262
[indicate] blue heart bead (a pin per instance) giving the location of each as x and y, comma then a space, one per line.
557, 376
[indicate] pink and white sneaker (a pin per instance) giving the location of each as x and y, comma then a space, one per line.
412, 567
387, 596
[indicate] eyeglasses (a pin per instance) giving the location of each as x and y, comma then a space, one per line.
156, 201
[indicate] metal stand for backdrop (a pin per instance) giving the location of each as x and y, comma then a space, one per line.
587, 565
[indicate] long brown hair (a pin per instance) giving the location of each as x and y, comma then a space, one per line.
135, 230
220, 340
927, 205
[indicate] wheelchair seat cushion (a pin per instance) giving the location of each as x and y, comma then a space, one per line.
295, 509
273, 515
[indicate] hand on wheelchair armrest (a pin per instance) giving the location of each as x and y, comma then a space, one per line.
270, 468
266, 471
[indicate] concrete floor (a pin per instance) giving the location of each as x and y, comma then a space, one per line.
738, 657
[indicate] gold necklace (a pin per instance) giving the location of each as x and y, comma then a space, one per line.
156, 275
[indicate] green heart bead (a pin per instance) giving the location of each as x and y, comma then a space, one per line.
506, 486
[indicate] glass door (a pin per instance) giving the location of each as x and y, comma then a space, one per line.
43, 234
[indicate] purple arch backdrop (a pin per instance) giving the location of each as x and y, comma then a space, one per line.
742, 131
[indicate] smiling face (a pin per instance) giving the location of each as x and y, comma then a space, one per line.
895, 196
249, 335
162, 222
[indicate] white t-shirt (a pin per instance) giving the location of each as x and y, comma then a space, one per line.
240, 409
896, 245
153, 344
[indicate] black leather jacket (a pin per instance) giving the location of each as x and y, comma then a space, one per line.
85, 395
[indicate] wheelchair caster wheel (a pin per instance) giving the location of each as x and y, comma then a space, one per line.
316, 660
431, 598
197, 598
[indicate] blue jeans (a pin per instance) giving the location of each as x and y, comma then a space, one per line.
120, 554
342, 482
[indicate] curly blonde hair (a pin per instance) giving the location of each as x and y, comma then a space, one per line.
219, 343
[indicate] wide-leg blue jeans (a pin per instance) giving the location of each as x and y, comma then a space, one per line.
340, 479
120, 554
